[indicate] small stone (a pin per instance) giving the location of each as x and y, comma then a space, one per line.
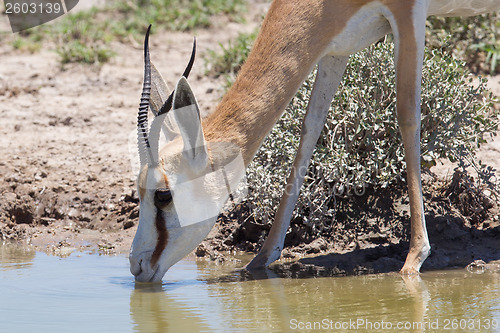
46, 221
91, 177
203, 250
477, 266
128, 224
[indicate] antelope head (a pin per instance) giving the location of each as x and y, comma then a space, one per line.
183, 184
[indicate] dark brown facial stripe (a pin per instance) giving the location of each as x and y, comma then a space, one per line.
162, 237
165, 179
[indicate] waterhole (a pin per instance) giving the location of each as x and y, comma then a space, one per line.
85, 292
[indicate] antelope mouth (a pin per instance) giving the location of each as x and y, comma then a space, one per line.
141, 268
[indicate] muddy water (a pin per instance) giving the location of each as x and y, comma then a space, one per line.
91, 293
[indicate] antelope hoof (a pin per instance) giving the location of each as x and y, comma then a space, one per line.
264, 259
415, 259
257, 263
409, 271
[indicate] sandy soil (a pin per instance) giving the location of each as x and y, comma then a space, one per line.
66, 175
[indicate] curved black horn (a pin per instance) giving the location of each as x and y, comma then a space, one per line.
191, 60
142, 117
168, 103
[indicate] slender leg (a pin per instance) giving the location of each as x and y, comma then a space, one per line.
409, 57
330, 73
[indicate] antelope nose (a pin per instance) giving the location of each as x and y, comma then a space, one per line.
135, 265
140, 266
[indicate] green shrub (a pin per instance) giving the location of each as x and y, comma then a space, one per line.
83, 37
29, 44
86, 36
229, 61
178, 15
474, 39
76, 51
361, 145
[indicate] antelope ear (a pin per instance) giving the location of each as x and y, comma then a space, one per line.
159, 94
187, 115
159, 90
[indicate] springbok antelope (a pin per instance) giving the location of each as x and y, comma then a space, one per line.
183, 186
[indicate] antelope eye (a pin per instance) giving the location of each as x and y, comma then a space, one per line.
163, 197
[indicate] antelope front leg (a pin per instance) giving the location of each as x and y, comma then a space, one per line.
409, 38
328, 78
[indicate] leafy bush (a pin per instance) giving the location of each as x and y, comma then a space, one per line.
474, 39
361, 145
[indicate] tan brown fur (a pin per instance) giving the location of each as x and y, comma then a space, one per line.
283, 55
278, 64
293, 37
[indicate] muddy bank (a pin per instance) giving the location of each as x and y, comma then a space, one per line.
370, 233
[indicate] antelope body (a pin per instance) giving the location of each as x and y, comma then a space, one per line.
183, 185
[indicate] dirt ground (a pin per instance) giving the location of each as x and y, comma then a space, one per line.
67, 182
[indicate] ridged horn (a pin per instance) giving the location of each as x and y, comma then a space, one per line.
142, 117
168, 103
